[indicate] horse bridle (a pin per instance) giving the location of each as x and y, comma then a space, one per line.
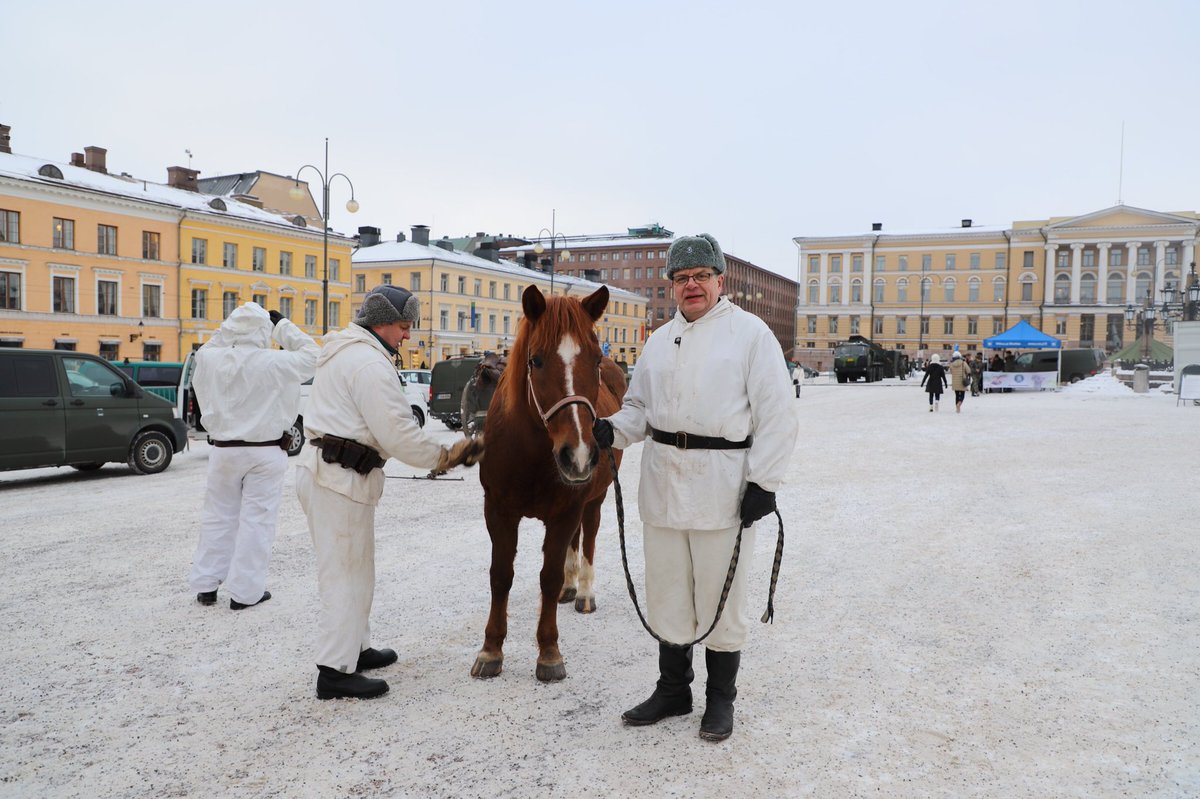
571, 399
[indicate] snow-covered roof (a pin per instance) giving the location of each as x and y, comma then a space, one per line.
400, 251
583, 244
26, 168
884, 235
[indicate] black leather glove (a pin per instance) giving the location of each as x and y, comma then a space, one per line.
275, 316
602, 431
756, 503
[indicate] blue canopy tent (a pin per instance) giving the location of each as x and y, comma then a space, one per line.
1024, 336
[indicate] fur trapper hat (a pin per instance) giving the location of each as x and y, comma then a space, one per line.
386, 304
689, 252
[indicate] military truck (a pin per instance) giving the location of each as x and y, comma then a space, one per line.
859, 357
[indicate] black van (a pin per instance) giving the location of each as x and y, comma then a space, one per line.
446, 388
1076, 364
64, 408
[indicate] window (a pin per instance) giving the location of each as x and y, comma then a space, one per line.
903, 263
229, 303
1027, 291
951, 261
625, 272
879, 286
637, 272
1142, 286
1116, 257
1087, 329
445, 284
507, 289
1172, 256
901, 290
507, 323
880, 261
199, 251
878, 329
106, 297
948, 289
997, 325
973, 290
491, 323
108, 350
335, 270
926, 287
812, 324
151, 351
1089, 258
1001, 260
1027, 259
151, 300
106, 239
444, 319
310, 266
833, 325
310, 312
901, 325
856, 262
200, 304
948, 325
261, 299
1087, 289
814, 292
63, 289
1062, 259
229, 256
856, 294
285, 307
662, 292
997, 291
1116, 288
150, 245
10, 291
835, 293
1060, 327
285, 263
926, 263
492, 289
462, 321
975, 260
478, 288
335, 314
835, 263
360, 282
10, 226
258, 259
1143, 256
64, 233
414, 281
462, 285
854, 323
924, 325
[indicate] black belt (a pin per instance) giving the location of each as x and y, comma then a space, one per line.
236, 443
692, 441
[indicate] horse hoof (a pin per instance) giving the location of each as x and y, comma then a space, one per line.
487, 667
567, 595
585, 604
551, 672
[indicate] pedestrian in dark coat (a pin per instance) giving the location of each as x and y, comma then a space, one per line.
934, 381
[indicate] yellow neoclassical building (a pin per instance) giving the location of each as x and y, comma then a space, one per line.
471, 303
926, 291
129, 268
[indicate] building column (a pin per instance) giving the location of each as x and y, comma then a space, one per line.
847, 275
1160, 268
1076, 271
1102, 272
1050, 267
1189, 255
868, 278
823, 293
1131, 248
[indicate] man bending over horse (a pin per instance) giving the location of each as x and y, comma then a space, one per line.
712, 395
358, 417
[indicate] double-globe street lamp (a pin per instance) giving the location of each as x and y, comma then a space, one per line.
298, 193
1143, 319
540, 248
1183, 303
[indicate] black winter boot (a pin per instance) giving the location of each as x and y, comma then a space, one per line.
721, 690
673, 694
334, 684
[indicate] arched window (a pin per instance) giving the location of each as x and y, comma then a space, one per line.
1027, 281
879, 285
998, 290
1116, 288
926, 287
814, 292
1144, 282
973, 290
856, 288
835, 291
948, 287
902, 290
1087, 289
1062, 287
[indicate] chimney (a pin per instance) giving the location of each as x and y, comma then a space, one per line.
488, 251
76, 159
401, 237
420, 235
248, 199
529, 260
180, 177
5, 139
368, 236
445, 244
966, 223
94, 159
876, 226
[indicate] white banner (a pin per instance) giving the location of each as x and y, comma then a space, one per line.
1029, 380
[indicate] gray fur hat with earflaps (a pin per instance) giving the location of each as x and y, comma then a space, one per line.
689, 252
386, 304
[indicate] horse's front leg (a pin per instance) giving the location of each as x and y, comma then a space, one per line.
503, 532
570, 571
585, 601
559, 532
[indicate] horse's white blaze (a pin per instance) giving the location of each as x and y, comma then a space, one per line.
568, 349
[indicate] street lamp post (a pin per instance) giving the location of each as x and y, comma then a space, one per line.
921, 315
352, 206
1142, 319
540, 248
1184, 303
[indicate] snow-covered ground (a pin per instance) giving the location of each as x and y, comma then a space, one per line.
998, 603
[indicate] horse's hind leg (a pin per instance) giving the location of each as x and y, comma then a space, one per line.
585, 602
570, 571
503, 531
559, 533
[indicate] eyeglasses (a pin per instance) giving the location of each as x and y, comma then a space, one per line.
700, 277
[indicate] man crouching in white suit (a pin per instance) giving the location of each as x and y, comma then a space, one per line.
358, 417
250, 395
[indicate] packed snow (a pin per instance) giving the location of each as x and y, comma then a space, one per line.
997, 603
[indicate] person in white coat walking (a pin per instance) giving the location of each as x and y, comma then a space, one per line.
712, 394
358, 416
250, 393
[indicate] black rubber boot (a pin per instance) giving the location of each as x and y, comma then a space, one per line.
334, 684
721, 690
375, 658
673, 694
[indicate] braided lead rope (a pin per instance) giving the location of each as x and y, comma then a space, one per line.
769, 615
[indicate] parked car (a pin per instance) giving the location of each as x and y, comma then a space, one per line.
63, 408
1077, 364
421, 378
417, 394
157, 377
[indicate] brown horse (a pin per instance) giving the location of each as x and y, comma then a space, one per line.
543, 463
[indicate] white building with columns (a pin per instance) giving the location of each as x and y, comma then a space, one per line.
927, 291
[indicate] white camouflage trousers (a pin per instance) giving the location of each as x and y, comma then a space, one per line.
237, 525
685, 573
343, 535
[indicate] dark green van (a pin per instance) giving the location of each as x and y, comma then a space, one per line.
157, 377
62, 408
446, 388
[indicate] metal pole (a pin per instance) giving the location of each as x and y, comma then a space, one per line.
553, 237
325, 243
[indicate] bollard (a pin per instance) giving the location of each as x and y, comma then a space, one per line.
1141, 379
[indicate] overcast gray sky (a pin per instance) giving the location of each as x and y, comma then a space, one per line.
754, 121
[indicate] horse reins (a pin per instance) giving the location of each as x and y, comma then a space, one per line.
768, 616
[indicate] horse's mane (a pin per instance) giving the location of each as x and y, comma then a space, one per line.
562, 315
